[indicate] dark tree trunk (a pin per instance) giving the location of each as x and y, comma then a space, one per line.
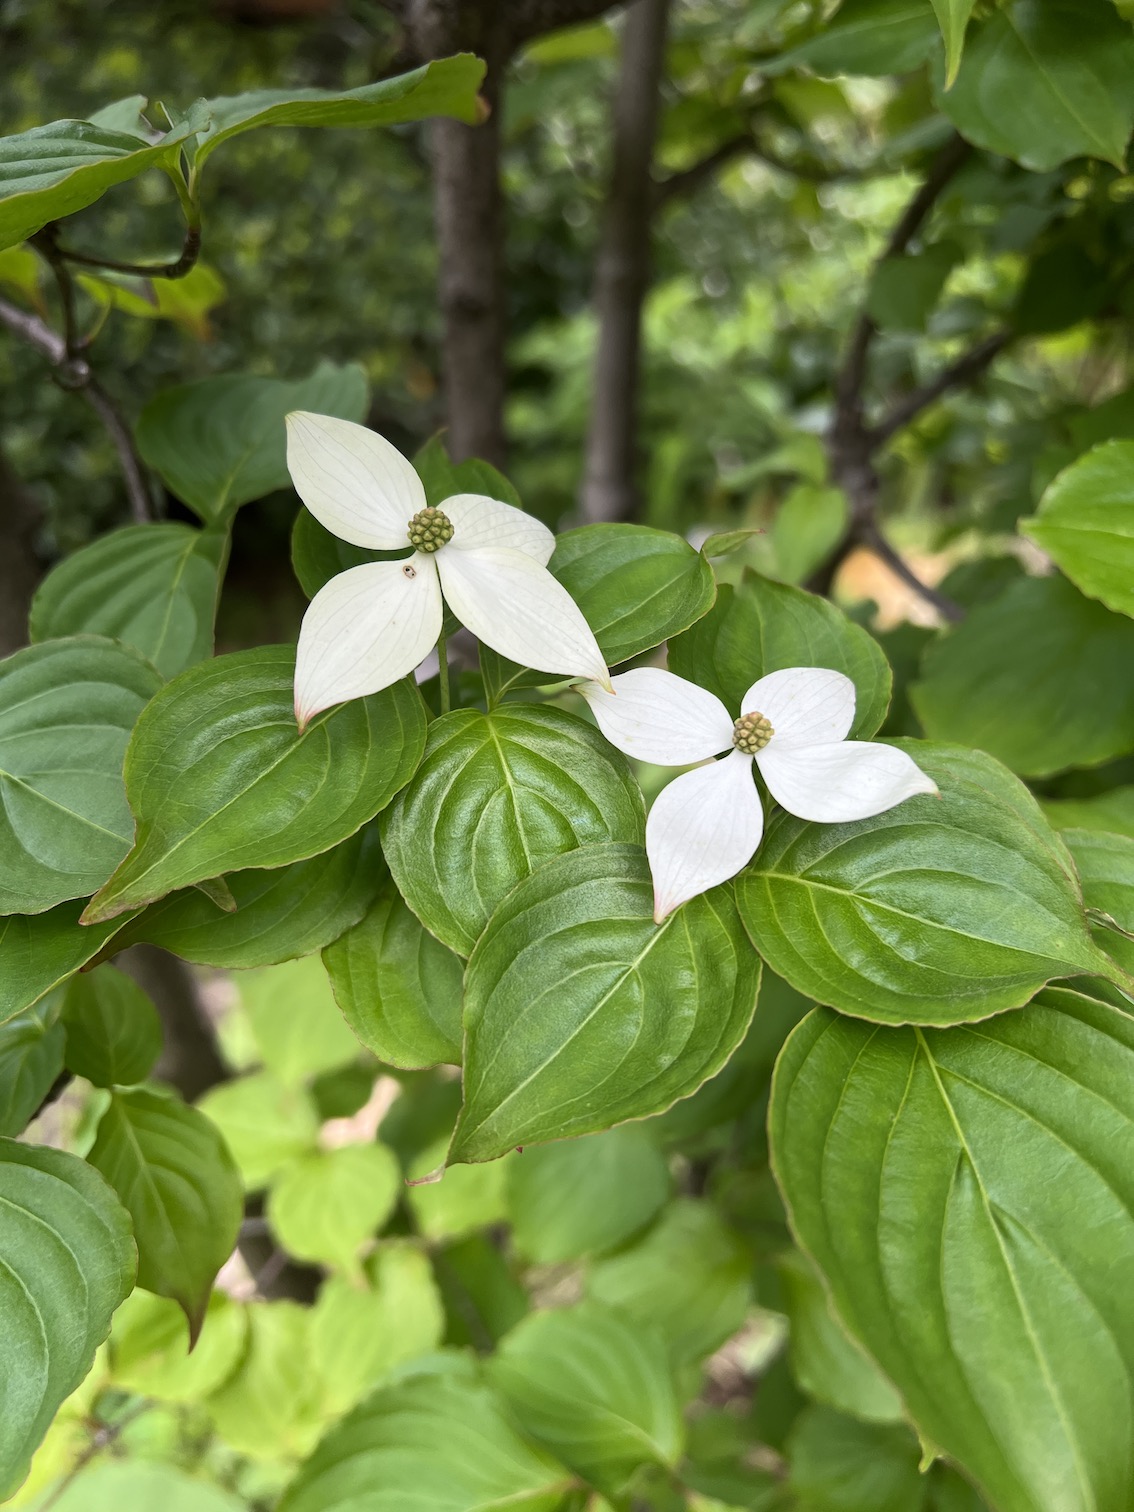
622, 272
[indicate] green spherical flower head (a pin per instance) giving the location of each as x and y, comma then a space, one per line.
430, 529
751, 733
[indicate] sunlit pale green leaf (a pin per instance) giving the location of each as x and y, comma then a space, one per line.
1086, 524
324, 1206
149, 1347
272, 1406
264, 1124
297, 1026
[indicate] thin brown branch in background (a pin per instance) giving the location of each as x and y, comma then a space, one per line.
103, 1435
968, 366
870, 536
185, 263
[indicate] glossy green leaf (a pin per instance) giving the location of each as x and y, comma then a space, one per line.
1105, 864
40, 951
66, 1262
264, 1124
689, 1275
582, 1197
153, 587
295, 1022
953, 18
361, 1333
825, 1360
867, 37
113, 1031
219, 777
938, 911
174, 1175
31, 1057
442, 1441
840, 1465
272, 1405
914, 1164
595, 1387
1043, 81
399, 988
324, 1206
446, 87
1010, 680
52, 171
581, 1012
66, 711
1085, 523
280, 914
465, 1199
495, 796
120, 1486
149, 1347
220, 442
762, 627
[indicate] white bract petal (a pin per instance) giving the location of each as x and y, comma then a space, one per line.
515, 606
833, 784
478, 521
352, 480
660, 717
702, 829
364, 630
805, 706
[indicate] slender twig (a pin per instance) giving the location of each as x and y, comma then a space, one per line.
137, 489
870, 536
103, 1436
185, 263
684, 181
34, 332
965, 368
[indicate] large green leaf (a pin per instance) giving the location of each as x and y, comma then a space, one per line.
398, 987
594, 1386
762, 627
446, 87
496, 795
52, 171
938, 911
581, 1012
324, 1206
280, 914
1086, 524
1106, 869
581, 1197
219, 778
66, 711
220, 442
1043, 81
1039, 677
31, 1057
39, 952
868, 37
968, 1196
153, 587
442, 1442
66, 1262
176, 1178
113, 1030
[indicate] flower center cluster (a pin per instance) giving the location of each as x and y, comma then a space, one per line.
751, 733
430, 529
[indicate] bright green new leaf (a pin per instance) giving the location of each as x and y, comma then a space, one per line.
31, 1057
1085, 523
1043, 81
40, 951
942, 910
126, 1484
67, 708
953, 19
23, 271
281, 914
809, 524
149, 1347
296, 1024
399, 988
465, 1199
220, 778
326, 1205
66, 1262
582, 1197
689, 1276
494, 797
54, 170
762, 627
186, 301
1010, 680
113, 1031
221, 442
443, 1442
1106, 869
264, 1124
581, 1012
272, 1406
867, 37
176, 1178
152, 587
594, 1386
968, 1196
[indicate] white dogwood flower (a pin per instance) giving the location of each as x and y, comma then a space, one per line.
373, 624
706, 825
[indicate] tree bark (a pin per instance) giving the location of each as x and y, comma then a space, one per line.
622, 271
20, 567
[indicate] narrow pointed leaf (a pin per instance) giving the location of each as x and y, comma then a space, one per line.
953, 19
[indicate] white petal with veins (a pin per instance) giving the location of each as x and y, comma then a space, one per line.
660, 717
833, 784
515, 606
352, 480
478, 520
805, 705
364, 630
702, 829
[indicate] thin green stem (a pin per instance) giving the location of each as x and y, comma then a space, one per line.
443, 671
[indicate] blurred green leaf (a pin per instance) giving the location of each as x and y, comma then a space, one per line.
264, 1124
1085, 522
295, 1020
